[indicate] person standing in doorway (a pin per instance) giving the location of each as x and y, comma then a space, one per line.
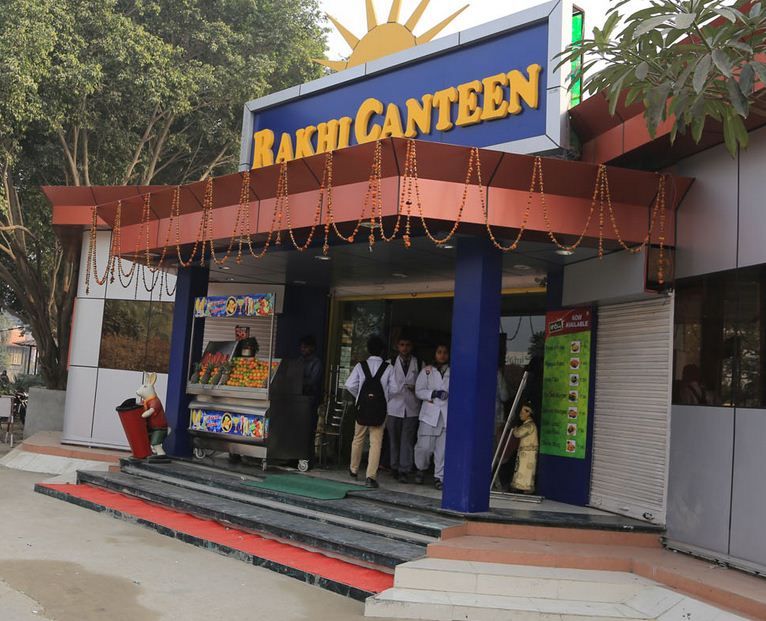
403, 410
432, 388
312, 384
368, 383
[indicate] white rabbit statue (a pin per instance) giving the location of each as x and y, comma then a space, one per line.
154, 414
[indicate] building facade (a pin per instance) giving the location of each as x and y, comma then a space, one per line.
666, 408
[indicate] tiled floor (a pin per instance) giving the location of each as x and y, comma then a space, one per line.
49, 443
497, 502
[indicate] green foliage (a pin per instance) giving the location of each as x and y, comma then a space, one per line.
687, 61
104, 92
23, 382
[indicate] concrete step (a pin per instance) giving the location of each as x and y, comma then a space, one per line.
354, 507
558, 533
363, 548
653, 604
433, 574
316, 511
727, 588
537, 553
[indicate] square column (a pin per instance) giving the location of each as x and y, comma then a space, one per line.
192, 283
473, 376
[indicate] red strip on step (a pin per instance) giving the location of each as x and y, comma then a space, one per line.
311, 562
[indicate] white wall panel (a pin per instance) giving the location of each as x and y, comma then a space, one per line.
752, 190
707, 219
699, 485
78, 408
617, 276
113, 388
86, 332
137, 290
103, 242
748, 511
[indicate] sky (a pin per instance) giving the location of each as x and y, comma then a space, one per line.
352, 14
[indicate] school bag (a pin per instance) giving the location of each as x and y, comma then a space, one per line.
371, 405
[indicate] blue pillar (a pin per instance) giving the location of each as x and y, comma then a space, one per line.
192, 283
473, 376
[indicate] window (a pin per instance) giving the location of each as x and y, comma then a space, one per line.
578, 34
719, 340
136, 335
15, 358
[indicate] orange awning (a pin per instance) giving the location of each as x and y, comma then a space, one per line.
568, 186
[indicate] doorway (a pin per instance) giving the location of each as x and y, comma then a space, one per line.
427, 321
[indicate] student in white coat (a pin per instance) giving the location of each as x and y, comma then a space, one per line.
403, 410
432, 388
372, 403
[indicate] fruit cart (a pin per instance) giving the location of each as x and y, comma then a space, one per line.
229, 385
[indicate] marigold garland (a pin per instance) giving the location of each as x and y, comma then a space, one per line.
371, 211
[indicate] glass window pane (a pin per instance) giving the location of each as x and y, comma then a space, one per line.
705, 340
750, 339
136, 335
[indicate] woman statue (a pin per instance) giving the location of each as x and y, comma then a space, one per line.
526, 457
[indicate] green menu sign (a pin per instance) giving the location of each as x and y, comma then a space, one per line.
566, 383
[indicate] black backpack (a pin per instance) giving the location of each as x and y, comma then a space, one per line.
371, 407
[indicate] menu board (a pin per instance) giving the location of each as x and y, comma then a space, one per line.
251, 305
566, 383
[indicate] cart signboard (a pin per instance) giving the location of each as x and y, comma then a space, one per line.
251, 305
566, 383
249, 426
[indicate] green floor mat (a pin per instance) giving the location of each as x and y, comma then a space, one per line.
309, 487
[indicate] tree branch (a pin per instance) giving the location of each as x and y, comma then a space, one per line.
141, 143
159, 146
85, 156
72, 165
209, 170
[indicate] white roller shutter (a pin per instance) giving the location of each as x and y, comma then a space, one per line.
223, 329
631, 422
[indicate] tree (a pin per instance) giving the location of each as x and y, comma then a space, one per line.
686, 60
114, 92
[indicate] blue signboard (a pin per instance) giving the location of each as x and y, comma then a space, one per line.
251, 426
253, 305
496, 88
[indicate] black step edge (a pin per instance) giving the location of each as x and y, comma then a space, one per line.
369, 548
307, 577
526, 517
354, 506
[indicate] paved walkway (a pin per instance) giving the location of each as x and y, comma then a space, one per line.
60, 563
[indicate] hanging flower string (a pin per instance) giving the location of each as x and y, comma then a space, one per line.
410, 205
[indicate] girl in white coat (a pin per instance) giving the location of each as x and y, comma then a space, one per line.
432, 388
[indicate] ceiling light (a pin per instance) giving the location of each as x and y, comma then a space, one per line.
370, 225
521, 268
564, 252
399, 275
447, 246
231, 279
225, 268
323, 257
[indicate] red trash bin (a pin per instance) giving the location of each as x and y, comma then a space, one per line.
135, 428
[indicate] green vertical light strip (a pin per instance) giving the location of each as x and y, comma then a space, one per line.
578, 33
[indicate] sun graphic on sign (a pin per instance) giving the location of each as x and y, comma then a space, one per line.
384, 39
